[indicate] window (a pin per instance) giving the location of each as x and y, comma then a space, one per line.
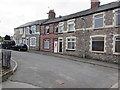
33, 41
46, 43
55, 28
98, 21
97, 43
61, 28
71, 43
33, 29
117, 14
71, 26
117, 44
27, 31
47, 29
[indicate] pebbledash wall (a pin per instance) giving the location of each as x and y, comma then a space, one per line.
93, 33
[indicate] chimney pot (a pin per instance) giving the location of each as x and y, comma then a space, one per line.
95, 3
51, 14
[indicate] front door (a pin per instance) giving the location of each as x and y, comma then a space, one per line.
60, 45
27, 42
55, 46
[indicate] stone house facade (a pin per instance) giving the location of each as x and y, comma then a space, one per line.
92, 33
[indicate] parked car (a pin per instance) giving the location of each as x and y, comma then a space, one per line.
7, 44
20, 47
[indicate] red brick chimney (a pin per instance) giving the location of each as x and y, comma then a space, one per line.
51, 14
95, 3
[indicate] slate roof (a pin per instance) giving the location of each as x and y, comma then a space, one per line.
101, 8
37, 22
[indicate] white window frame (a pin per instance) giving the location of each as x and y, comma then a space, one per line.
103, 15
72, 41
114, 40
91, 43
31, 41
115, 13
33, 29
61, 24
48, 40
27, 30
69, 22
56, 27
46, 28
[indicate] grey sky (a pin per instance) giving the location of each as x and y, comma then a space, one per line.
16, 12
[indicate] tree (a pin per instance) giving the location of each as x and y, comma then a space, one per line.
7, 37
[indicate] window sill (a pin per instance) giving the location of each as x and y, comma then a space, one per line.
60, 33
71, 31
98, 51
116, 53
98, 28
32, 46
70, 49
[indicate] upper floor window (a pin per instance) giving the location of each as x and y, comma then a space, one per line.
117, 15
98, 44
98, 21
55, 28
61, 27
71, 26
27, 30
117, 44
47, 29
33, 29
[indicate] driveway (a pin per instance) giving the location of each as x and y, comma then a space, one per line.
53, 72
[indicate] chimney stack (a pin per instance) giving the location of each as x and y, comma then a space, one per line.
51, 14
95, 3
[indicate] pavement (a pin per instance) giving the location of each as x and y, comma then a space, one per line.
11, 84
74, 58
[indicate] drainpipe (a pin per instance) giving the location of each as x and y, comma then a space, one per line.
39, 37
84, 37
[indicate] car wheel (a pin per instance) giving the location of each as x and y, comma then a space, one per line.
19, 49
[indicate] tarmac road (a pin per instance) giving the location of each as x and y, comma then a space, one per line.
53, 72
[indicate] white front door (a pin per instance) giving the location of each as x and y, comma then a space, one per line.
27, 42
55, 46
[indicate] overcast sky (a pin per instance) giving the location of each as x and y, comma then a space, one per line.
16, 12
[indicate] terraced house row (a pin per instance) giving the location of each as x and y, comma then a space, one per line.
93, 33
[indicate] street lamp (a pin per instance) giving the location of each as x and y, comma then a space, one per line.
84, 36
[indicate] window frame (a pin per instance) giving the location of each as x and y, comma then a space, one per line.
35, 41
61, 25
33, 29
47, 29
71, 22
47, 48
72, 41
95, 19
114, 42
56, 26
115, 18
104, 36
27, 30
